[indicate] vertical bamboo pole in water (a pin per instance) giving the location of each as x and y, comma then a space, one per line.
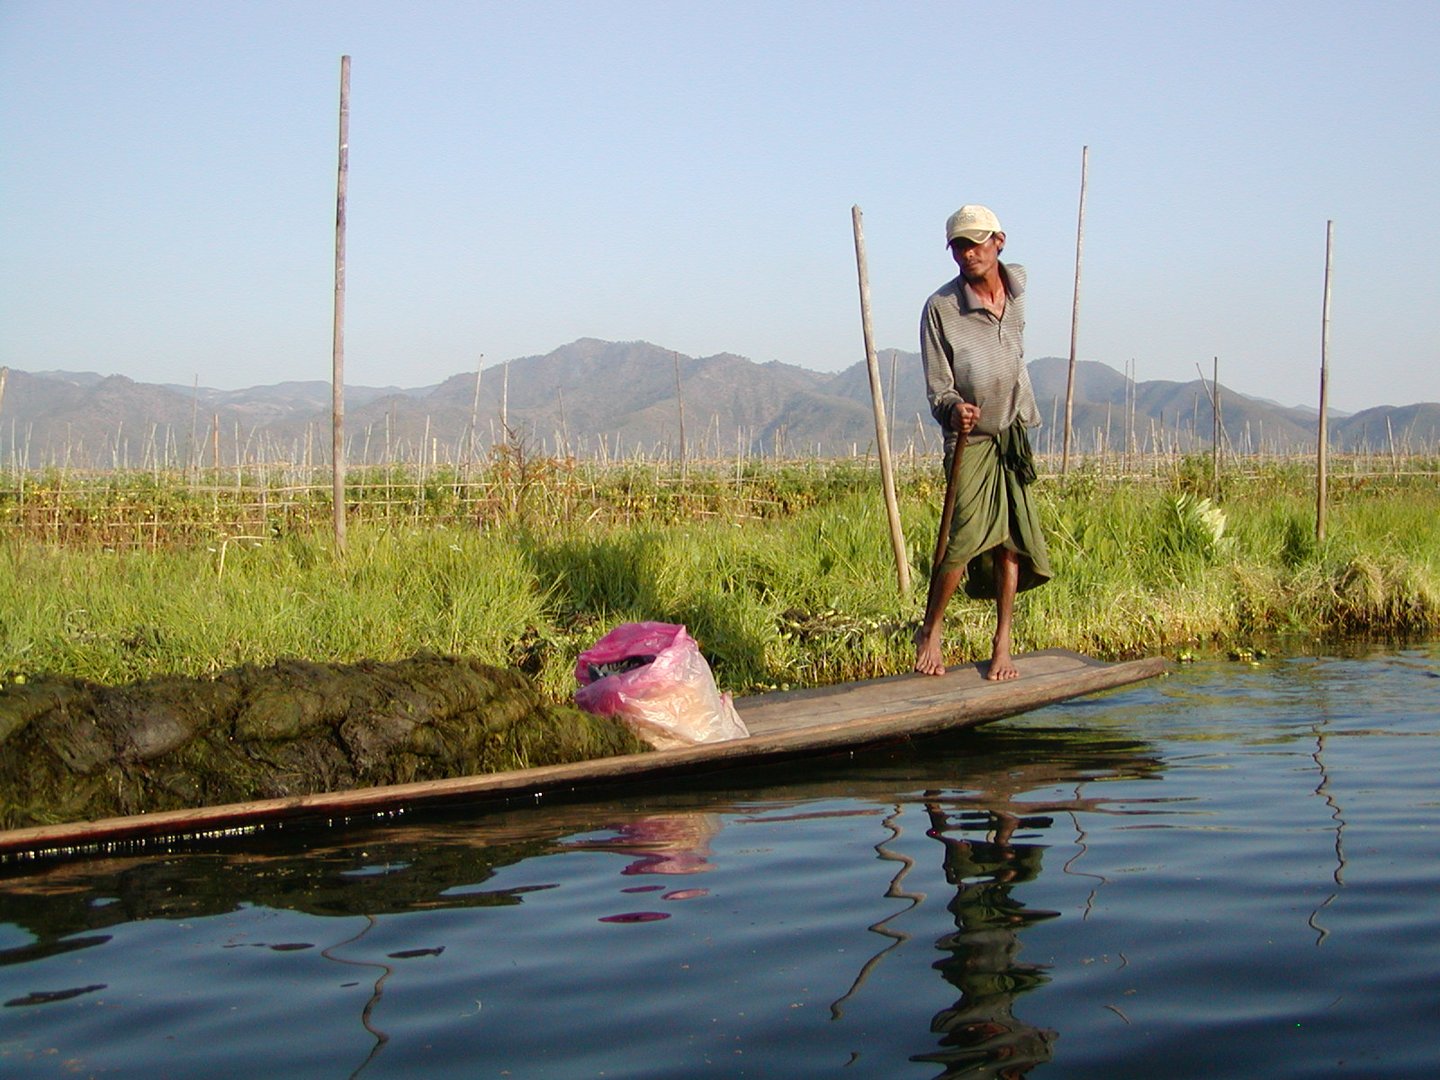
1075, 308
337, 382
877, 399
1322, 448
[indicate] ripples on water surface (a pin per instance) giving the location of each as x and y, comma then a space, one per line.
1233, 871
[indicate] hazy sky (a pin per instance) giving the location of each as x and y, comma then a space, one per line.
524, 174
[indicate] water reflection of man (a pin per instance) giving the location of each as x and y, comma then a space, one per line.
981, 1036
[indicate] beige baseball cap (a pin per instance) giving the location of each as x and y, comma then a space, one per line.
974, 223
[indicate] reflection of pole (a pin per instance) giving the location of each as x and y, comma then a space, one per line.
1081, 848
1338, 876
894, 892
380, 1037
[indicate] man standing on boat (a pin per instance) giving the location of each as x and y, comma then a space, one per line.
972, 344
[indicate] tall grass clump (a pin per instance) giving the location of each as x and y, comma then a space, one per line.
782, 571
779, 602
116, 616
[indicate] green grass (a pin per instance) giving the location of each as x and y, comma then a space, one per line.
784, 574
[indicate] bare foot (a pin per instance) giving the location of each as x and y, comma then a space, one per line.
929, 658
1002, 667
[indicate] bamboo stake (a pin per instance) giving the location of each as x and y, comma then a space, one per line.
475, 405
680, 402
564, 434
1075, 309
1219, 431
1322, 449
877, 400
1213, 393
1129, 413
194, 464
1105, 447
894, 361
337, 382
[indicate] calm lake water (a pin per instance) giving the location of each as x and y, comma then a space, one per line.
1230, 872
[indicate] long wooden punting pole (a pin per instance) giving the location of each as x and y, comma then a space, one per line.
337, 378
947, 513
1322, 452
1075, 309
877, 399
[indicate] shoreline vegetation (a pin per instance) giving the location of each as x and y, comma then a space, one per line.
130, 599
782, 570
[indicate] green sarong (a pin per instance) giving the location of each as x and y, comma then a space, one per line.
993, 508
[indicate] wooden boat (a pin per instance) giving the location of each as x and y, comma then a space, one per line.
785, 724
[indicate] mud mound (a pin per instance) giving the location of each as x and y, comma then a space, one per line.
72, 750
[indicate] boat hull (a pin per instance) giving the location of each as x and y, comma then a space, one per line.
783, 725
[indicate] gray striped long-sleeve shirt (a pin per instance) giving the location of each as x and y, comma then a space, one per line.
970, 355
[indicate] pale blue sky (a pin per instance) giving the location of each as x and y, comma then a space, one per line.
523, 174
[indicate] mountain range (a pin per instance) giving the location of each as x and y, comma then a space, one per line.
612, 400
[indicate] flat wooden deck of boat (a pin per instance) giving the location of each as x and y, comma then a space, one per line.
782, 725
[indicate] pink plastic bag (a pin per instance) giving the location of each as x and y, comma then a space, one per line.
652, 676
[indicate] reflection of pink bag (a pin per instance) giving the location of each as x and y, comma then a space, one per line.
652, 676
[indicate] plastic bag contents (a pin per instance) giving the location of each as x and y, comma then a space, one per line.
652, 676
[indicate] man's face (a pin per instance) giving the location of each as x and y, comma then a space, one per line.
977, 261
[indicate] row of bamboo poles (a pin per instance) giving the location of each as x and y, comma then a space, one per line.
164, 450
147, 509
136, 509
461, 459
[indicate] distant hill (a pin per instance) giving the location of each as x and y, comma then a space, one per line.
605, 399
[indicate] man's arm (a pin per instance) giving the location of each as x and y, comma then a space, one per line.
939, 375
